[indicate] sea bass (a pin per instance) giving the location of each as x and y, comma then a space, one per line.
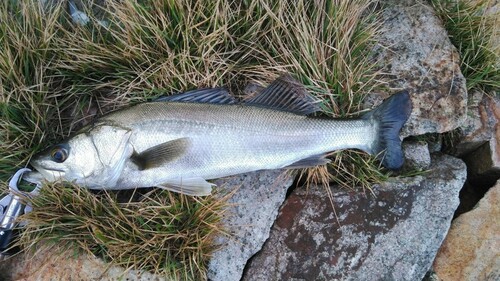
181, 141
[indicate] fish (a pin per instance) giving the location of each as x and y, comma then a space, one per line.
182, 141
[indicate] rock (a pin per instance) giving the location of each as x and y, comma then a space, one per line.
484, 163
393, 235
56, 263
435, 143
254, 208
479, 145
471, 251
416, 155
493, 11
97, 8
482, 118
416, 54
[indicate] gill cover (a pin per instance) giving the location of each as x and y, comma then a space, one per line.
113, 150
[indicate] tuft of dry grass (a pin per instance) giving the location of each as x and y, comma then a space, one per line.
152, 47
474, 30
350, 169
28, 88
163, 232
323, 43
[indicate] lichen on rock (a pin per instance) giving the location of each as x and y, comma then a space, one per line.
393, 235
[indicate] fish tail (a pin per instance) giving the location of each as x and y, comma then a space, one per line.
390, 117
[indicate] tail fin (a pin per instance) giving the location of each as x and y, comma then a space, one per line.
390, 117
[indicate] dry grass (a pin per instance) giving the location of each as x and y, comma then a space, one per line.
475, 32
323, 43
27, 98
163, 232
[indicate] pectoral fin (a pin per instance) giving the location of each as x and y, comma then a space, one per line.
191, 186
161, 154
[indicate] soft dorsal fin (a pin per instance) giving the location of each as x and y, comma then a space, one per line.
287, 94
209, 95
160, 154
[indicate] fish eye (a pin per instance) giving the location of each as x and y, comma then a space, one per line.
59, 154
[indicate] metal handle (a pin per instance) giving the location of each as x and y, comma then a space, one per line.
12, 207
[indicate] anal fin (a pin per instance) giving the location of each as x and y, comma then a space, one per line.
309, 162
192, 186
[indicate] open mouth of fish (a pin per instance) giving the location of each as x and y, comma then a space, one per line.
37, 177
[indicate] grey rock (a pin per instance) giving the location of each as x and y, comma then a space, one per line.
416, 54
393, 235
417, 155
478, 128
479, 144
97, 8
493, 11
484, 163
254, 208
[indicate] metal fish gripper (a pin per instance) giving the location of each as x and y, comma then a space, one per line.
11, 207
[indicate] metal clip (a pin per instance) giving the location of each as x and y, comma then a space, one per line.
11, 207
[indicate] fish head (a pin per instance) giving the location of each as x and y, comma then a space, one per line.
72, 160
94, 158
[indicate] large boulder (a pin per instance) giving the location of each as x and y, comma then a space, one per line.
471, 251
416, 54
253, 209
392, 234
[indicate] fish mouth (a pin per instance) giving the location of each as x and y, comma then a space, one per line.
48, 173
40, 168
33, 177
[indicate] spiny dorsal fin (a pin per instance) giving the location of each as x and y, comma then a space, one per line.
213, 95
160, 154
286, 93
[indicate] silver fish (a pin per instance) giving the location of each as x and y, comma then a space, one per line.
181, 141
